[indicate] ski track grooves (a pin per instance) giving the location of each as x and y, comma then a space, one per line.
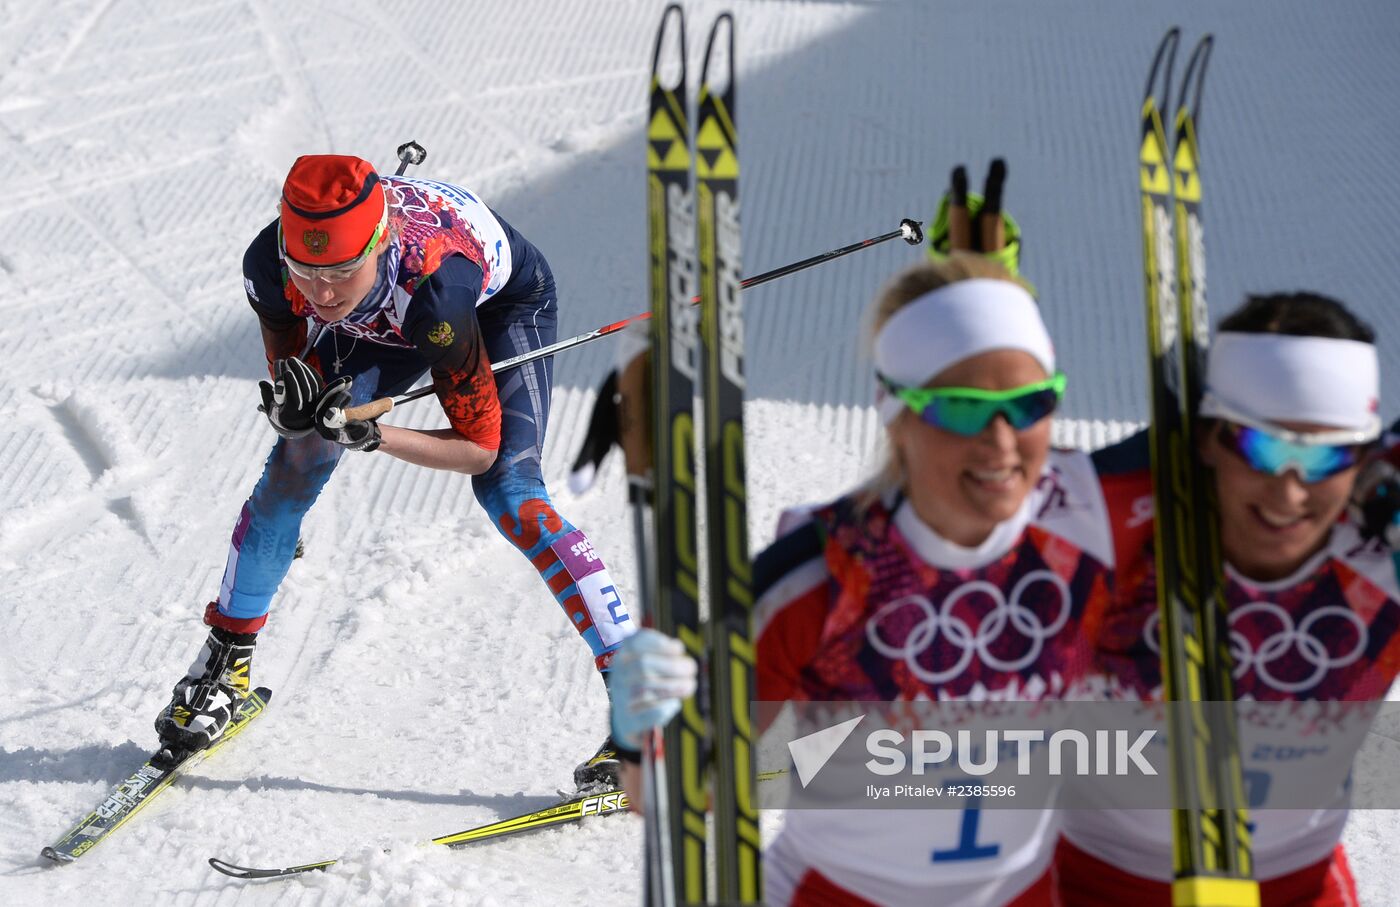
62, 514
90, 450
80, 34
298, 89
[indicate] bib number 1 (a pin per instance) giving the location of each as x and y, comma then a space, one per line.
968, 847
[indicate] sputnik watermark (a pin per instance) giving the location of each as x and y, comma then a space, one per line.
979, 753
933, 791
812, 752
934, 748
1064, 754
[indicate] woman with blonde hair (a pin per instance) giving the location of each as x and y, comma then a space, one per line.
963, 571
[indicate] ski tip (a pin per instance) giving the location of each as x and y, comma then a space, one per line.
673, 10
54, 857
1162, 64
228, 869
247, 872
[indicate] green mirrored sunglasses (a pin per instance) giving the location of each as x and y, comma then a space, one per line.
967, 411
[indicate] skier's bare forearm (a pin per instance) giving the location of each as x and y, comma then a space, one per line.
439, 448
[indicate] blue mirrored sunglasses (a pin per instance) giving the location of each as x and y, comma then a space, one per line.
1278, 452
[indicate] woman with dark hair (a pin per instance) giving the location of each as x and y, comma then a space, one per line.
1287, 420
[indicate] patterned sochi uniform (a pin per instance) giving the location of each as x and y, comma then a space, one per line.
874, 605
1327, 634
458, 289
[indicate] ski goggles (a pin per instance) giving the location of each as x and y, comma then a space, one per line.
1314, 456
338, 273
967, 411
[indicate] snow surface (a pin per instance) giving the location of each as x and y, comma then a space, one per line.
424, 682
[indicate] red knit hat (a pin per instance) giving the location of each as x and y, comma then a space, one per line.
331, 205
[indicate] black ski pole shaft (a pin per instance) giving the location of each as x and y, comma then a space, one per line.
910, 230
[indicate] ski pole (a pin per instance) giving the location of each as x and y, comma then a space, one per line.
911, 231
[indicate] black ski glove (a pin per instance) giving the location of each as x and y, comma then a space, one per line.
331, 424
290, 400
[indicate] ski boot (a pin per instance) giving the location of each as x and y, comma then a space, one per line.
601, 773
207, 698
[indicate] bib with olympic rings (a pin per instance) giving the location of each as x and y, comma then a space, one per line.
900, 627
1330, 632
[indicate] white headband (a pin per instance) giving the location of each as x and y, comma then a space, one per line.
953, 323
1283, 378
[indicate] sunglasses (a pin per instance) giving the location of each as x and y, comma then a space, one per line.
1313, 456
967, 411
338, 273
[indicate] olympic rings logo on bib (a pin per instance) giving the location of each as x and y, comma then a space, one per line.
1006, 616
1289, 638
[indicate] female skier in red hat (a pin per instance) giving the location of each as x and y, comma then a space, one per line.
362, 285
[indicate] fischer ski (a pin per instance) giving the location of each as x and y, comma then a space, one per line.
564, 813
1211, 848
673, 605
131, 795
738, 872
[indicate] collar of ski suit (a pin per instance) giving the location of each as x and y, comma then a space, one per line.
937, 551
380, 298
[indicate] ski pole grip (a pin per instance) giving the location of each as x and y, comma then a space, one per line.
991, 227
959, 222
371, 410
410, 153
